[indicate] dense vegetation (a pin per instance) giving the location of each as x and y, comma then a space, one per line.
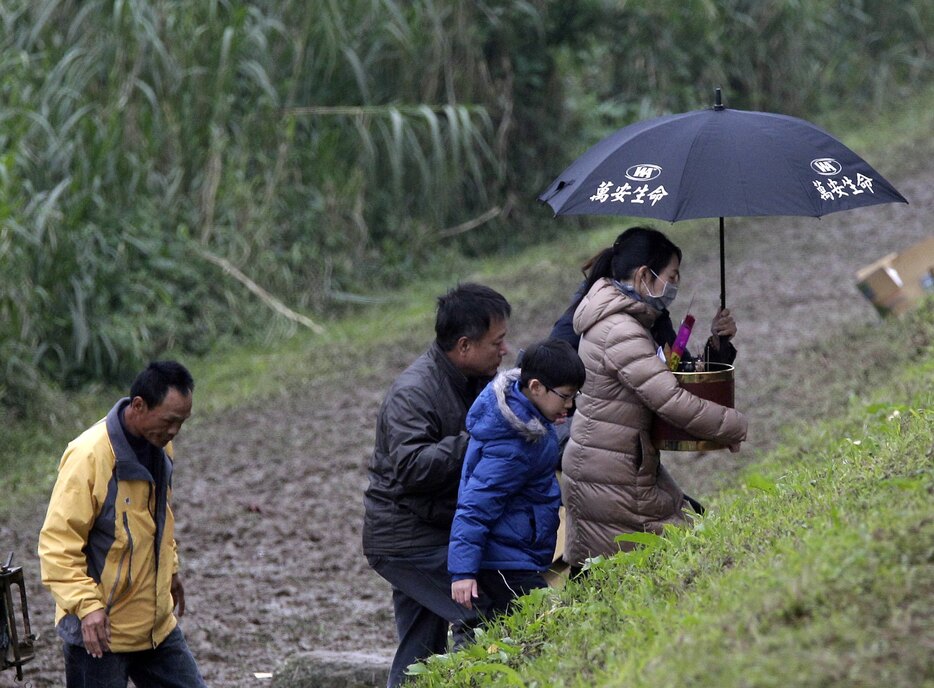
175, 174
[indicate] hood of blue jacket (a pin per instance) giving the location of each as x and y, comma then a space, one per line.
497, 413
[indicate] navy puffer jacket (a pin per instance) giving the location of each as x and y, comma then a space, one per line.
507, 507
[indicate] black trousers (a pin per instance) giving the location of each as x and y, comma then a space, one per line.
500, 588
423, 608
421, 600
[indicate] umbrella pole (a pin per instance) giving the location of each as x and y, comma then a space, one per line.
722, 269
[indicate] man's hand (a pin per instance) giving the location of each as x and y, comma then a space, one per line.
464, 591
178, 594
95, 631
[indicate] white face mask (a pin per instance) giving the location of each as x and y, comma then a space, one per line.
663, 300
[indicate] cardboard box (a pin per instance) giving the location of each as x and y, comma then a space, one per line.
896, 283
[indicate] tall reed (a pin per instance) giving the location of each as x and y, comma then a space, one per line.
321, 149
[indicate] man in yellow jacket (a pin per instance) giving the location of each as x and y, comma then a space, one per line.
107, 547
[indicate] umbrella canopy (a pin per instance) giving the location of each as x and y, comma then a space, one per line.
718, 162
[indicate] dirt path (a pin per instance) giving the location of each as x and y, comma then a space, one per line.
269, 497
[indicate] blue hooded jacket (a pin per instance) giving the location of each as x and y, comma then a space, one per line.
507, 506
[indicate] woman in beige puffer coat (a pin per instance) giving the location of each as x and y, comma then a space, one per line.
613, 480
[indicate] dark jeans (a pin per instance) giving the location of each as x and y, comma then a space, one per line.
170, 665
421, 600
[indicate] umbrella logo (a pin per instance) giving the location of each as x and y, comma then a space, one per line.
643, 173
826, 166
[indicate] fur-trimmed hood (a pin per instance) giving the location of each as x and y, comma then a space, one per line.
502, 410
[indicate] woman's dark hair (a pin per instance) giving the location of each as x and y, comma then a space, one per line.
635, 247
468, 310
154, 382
553, 362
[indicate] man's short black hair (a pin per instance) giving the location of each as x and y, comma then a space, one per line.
554, 363
154, 382
468, 310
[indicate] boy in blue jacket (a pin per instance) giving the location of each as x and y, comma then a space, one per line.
506, 524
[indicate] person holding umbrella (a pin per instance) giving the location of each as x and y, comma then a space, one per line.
718, 349
614, 481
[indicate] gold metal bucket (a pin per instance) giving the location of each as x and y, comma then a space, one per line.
715, 384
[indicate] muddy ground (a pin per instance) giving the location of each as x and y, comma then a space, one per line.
269, 496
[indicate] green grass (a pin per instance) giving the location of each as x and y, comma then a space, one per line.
817, 569
31, 449
904, 136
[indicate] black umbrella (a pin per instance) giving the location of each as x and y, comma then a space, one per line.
718, 162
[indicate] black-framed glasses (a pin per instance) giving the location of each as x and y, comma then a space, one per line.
562, 394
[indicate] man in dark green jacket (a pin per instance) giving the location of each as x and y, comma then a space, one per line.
416, 467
